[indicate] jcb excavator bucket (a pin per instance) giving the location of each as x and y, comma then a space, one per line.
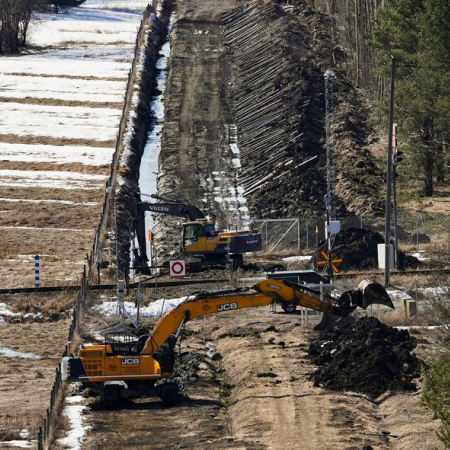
374, 293
367, 293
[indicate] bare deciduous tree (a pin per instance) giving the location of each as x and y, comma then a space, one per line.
15, 16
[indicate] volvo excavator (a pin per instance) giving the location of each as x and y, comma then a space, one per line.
200, 236
136, 365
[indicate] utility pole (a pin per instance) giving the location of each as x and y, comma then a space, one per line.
394, 192
387, 231
329, 200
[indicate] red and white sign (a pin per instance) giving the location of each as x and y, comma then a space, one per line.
177, 268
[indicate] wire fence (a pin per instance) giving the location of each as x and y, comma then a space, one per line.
48, 429
109, 192
304, 234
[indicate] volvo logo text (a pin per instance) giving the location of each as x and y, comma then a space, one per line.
159, 208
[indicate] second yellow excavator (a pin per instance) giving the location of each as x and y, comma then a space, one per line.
126, 365
200, 237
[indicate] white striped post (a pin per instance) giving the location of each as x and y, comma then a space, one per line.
36, 271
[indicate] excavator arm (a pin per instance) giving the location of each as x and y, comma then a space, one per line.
116, 365
268, 292
202, 305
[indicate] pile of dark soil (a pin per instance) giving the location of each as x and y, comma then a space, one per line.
187, 365
367, 357
358, 248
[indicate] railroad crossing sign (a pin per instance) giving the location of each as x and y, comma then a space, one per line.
177, 268
327, 261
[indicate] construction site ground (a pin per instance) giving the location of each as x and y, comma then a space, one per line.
253, 391
258, 394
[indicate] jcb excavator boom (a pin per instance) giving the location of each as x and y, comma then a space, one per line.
120, 364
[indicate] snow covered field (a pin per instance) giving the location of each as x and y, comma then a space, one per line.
62, 103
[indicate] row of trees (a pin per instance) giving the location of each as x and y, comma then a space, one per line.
417, 34
15, 17
352, 25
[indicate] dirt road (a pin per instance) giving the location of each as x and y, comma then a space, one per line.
257, 393
197, 162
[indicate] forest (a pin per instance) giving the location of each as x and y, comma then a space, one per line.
416, 33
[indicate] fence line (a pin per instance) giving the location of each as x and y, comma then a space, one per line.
150, 9
301, 233
48, 429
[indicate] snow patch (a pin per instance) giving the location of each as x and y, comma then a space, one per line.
77, 432
17, 444
51, 179
55, 154
110, 309
69, 122
298, 258
8, 353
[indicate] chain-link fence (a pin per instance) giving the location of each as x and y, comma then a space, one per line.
415, 231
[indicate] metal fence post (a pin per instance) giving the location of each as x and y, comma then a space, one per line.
307, 234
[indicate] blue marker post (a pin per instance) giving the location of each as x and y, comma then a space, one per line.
36, 271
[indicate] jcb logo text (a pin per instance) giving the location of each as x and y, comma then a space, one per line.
125, 362
227, 307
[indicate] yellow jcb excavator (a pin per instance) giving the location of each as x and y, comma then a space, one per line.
126, 365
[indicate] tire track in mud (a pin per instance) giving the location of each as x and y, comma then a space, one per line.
198, 421
198, 161
270, 399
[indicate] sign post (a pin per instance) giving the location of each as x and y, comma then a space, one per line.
36, 272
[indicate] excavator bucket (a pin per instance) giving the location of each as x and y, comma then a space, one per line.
367, 293
374, 293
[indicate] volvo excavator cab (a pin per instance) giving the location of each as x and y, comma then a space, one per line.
199, 237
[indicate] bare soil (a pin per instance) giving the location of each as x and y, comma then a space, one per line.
25, 384
257, 394
48, 140
70, 167
196, 158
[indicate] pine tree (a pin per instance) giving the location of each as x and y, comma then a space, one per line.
416, 33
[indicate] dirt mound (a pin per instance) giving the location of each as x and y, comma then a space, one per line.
367, 357
358, 248
186, 368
